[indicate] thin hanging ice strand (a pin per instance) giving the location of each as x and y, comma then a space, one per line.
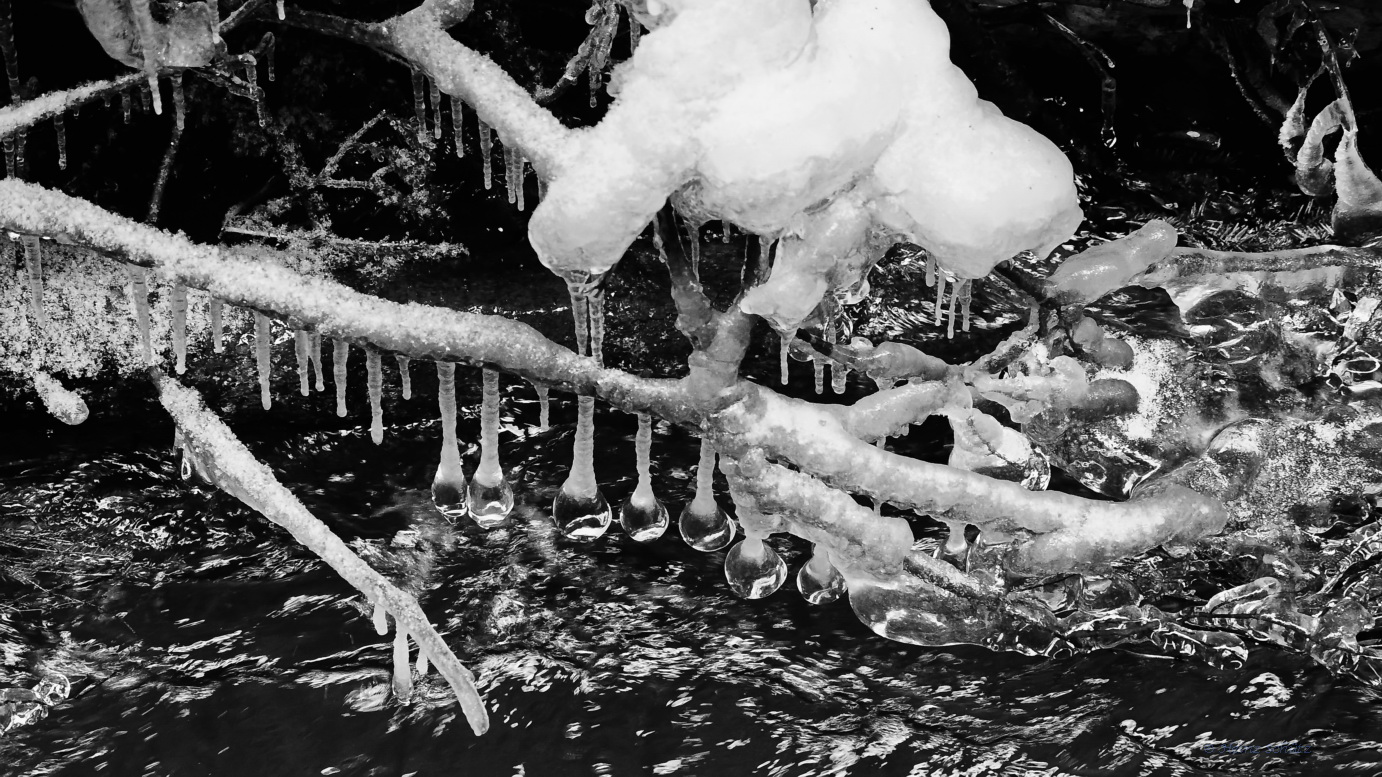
579, 509
261, 357
340, 354
784, 349
643, 516
966, 293
703, 524
458, 124
838, 371
179, 304
940, 298
402, 667
139, 295
380, 618
954, 293
449, 484
419, 107
434, 92
33, 265
316, 354
374, 380
520, 166
596, 308
146, 31
256, 94
404, 375
510, 178
580, 313
214, 306
61, 130
125, 105
544, 404
281, 15
486, 148
489, 496
302, 344
818, 367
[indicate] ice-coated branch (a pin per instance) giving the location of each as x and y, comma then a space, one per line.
1074, 533
26, 114
231, 466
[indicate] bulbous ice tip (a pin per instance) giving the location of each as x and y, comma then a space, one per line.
644, 521
706, 530
754, 570
489, 504
820, 582
450, 500
581, 517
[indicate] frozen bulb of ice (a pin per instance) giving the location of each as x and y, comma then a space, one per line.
489, 503
753, 569
644, 517
819, 581
489, 495
581, 517
705, 529
449, 484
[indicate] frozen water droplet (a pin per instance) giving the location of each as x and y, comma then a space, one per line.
705, 530
374, 381
643, 521
489, 495
261, 357
913, 611
489, 504
381, 619
581, 517
753, 569
449, 486
340, 354
819, 581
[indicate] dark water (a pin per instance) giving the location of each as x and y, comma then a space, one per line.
199, 639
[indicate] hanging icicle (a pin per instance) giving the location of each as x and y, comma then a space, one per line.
281, 15
340, 354
420, 107
179, 104
404, 363
965, 293
520, 166
380, 619
954, 293
422, 664
302, 343
125, 105
489, 497
818, 366
256, 94
139, 295
581, 315
179, 305
61, 130
579, 509
643, 516
374, 380
458, 124
261, 357
402, 667
940, 298
449, 485
146, 34
316, 354
544, 406
510, 179
217, 327
596, 310
435, 93
704, 526
784, 348
486, 148
33, 265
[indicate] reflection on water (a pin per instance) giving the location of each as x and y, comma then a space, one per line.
201, 640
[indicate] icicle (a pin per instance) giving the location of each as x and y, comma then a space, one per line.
261, 357
784, 348
404, 375
520, 165
579, 509
179, 304
374, 379
966, 293
930, 270
839, 374
281, 14
270, 58
449, 484
1189, 4
544, 406
419, 107
125, 105
819, 367
381, 618
139, 294
703, 524
486, 146
179, 105
402, 668
458, 124
724, 231
489, 496
9, 156
256, 94
317, 360
954, 292
217, 329
643, 517
580, 313
422, 664
940, 298
340, 353
818, 580
61, 131
33, 264
435, 93
61, 402
146, 32
302, 342
597, 325
510, 180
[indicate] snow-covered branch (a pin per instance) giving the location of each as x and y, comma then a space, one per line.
23, 115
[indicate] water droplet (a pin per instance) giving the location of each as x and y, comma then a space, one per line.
489, 504
706, 528
819, 581
754, 570
643, 520
581, 517
912, 611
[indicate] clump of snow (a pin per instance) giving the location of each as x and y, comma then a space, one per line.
62, 403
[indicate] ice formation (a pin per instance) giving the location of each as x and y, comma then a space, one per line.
545, 406
405, 376
33, 267
61, 402
449, 484
214, 310
704, 526
139, 296
316, 354
262, 342
374, 381
883, 129
458, 124
419, 104
302, 345
179, 305
486, 146
818, 580
232, 468
643, 515
340, 353
489, 497
579, 508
